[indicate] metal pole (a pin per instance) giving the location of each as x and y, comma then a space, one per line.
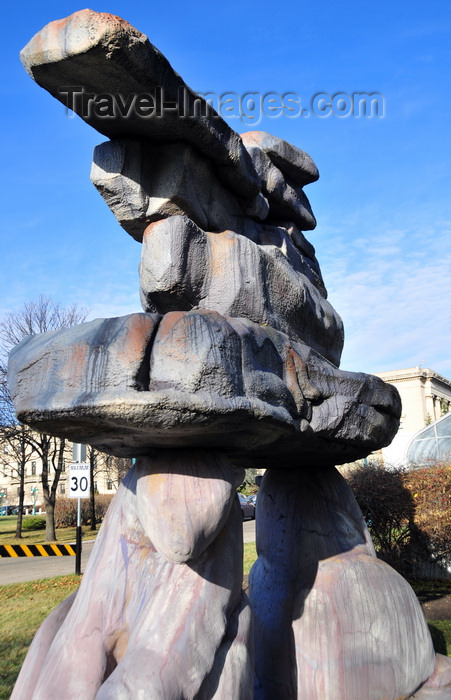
79, 455
78, 541
79, 452
34, 493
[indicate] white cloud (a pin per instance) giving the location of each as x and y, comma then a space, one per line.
393, 291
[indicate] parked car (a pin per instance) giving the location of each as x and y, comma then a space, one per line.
247, 507
9, 510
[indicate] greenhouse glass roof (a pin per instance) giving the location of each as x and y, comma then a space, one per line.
432, 444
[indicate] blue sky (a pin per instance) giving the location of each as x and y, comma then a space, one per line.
382, 203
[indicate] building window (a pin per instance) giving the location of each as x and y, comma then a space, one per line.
63, 466
5, 449
33, 469
62, 488
109, 485
18, 491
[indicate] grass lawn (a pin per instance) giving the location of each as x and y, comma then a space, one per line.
250, 555
441, 636
24, 606
63, 534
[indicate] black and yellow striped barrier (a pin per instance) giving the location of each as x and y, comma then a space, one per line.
37, 550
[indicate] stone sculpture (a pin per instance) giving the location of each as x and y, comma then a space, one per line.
234, 362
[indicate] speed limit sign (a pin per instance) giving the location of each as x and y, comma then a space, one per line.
79, 480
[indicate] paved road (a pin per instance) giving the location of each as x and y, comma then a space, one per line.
249, 531
16, 570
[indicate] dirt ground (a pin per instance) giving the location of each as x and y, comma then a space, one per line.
439, 609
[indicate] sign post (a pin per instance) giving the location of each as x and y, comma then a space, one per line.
79, 483
34, 495
2, 496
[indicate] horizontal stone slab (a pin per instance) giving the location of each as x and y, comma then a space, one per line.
198, 379
142, 182
118, 82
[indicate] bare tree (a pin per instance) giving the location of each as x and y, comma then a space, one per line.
16, 451
115, 469
93, 456
51, 451
16, 458
38, 316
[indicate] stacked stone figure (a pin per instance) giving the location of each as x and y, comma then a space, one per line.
234, 363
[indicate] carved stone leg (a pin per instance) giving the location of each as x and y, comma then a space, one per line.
332, 622
160, 612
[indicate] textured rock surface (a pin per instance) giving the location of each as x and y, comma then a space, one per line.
107, 641
283, 170
332, 622
292, 161
103, 54
130, 384
143, 182
184, 501
262, 276
438, 686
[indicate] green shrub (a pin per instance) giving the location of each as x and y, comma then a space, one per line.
248, 487
387, 507
33, 523
102, 504
431, 490
66, 510
408, 514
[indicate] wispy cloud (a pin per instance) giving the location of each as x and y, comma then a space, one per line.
393, 292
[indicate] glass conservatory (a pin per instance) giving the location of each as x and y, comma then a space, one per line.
432, 444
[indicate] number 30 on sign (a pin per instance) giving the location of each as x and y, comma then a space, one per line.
79, 480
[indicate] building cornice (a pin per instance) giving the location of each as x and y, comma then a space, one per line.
404, 375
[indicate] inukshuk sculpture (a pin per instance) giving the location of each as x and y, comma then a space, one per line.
234, 362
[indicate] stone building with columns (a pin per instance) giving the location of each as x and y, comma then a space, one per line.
425, 396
